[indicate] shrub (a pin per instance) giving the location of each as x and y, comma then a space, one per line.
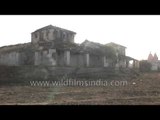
145, 66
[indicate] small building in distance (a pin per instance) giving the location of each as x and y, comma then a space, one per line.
153, 59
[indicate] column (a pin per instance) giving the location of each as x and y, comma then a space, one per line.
105, 61
17, 58
87, 60
37, 58
67, 57
137, 64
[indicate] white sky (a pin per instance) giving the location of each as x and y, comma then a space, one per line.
139, 33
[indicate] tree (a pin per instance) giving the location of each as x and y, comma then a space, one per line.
111, 54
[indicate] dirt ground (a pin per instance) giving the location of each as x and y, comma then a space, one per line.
143, 90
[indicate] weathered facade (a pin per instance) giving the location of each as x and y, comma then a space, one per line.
54, 46
52, 33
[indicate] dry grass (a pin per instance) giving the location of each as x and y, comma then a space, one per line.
144, 91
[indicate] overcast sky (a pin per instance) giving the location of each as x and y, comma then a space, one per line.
139, 33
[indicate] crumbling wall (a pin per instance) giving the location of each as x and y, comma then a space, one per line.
77, 60
11, 58
26, 58
46, 57
17, 58
14, 55
96, 61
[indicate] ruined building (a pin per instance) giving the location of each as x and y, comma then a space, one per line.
54, 46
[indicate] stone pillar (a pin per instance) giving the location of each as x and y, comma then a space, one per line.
87, 59
137, 64
45, 58
117, 65
105, 61
67, 57
37, 59
17, 58
134, 63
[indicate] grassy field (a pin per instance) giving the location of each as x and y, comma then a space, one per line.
141, 90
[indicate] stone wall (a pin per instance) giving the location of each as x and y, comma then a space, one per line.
17, 58
11, 58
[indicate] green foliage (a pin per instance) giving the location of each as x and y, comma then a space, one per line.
145, 66
110, 53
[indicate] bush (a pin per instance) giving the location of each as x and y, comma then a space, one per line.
145, 66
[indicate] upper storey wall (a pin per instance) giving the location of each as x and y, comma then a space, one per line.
51, 33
